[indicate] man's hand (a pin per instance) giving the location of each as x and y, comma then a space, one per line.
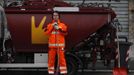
55, 25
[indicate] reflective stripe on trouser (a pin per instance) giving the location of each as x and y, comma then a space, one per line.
63, 70
51, 70
51, 60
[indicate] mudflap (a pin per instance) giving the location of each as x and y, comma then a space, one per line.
120, 71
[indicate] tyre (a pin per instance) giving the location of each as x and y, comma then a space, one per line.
72, 66
9, 53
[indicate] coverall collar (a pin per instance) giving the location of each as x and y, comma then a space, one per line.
58, 21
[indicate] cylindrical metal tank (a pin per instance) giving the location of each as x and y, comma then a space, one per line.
27, 31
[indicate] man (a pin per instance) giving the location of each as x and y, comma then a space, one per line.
4, 35
56, 31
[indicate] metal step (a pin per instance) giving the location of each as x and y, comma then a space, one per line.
24, 65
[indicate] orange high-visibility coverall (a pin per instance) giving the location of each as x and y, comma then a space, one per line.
56, 46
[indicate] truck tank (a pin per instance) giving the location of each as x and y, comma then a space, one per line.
27, 22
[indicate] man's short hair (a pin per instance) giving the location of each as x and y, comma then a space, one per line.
55, 12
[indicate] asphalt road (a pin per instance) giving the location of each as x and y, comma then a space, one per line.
45, 73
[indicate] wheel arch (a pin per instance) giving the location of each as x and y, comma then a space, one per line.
75, 57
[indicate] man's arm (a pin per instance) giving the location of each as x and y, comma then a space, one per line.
63, 29
48, 29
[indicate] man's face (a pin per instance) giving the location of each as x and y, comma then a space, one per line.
55, 16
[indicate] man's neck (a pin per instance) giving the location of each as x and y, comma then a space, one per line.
55, 20
58, 21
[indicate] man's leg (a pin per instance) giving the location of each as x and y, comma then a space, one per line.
51, 60
63, 67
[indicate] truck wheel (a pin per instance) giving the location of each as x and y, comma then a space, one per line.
72, 66
9, 51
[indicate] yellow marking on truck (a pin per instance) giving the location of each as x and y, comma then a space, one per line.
37, 33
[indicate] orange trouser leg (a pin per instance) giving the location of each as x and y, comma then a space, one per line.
51, 60
62, 62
